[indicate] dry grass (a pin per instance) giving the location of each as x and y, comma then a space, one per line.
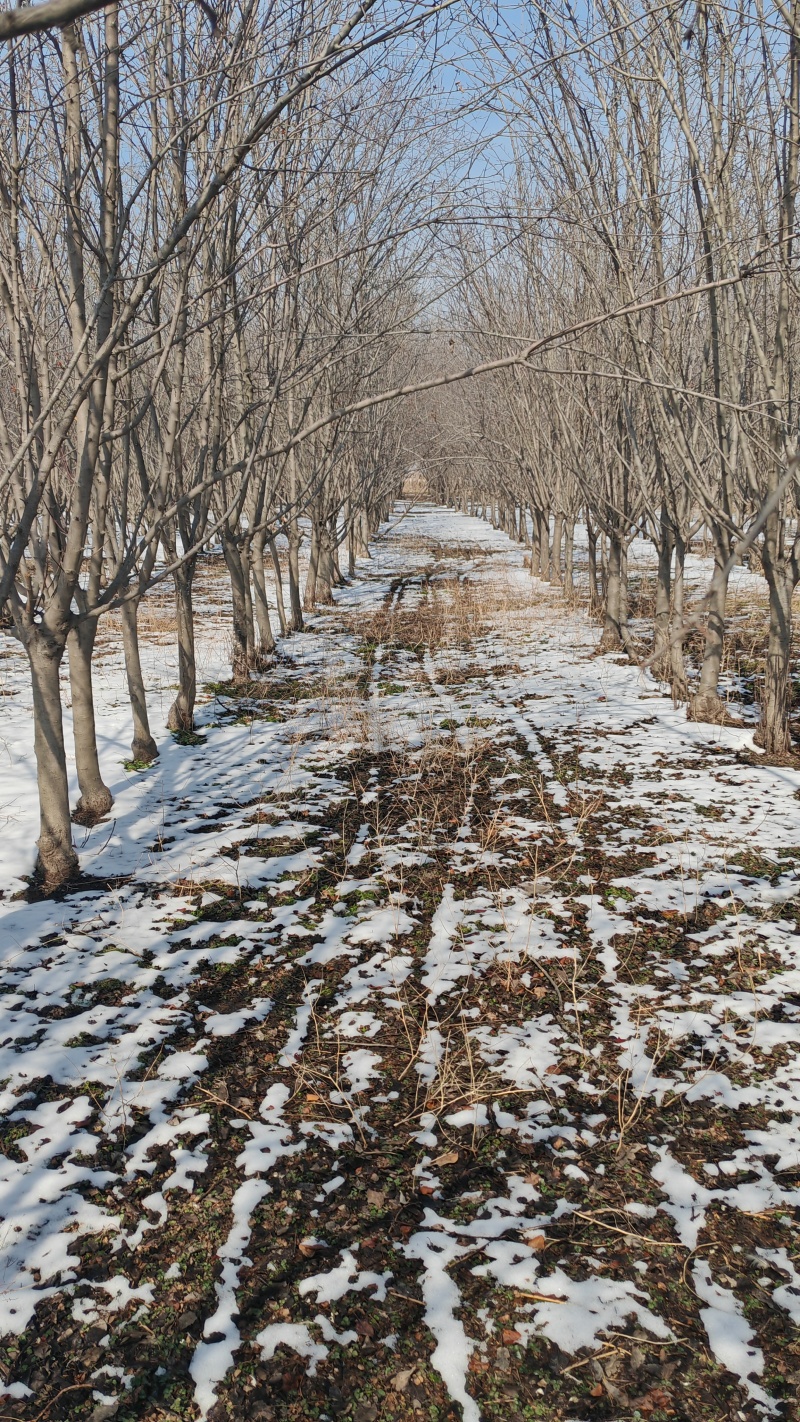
451, 612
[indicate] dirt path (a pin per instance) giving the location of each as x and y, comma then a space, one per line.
436, 1053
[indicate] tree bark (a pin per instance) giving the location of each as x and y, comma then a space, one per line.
326, 566
295, 606
95, 797
276, 563
240, 662
569, 558
143, 747
534, 542
612, 639
661, 655
57, 861
555, 556
544, 544
773, 732
594, 590
310, 594
706, 704
266, 639
181, 712
680, 689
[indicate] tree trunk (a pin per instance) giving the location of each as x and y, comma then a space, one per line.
245, 556
661, 657
569, 558
143, 747
544, 544
680, 690
594, 590
295, 606
57, 862
338, 580
706, 704
611, 640
266, 639
310, 594
555, 557
326, 566
240, 665
181, 712
95, 797
276, 563
534, 542
362, 530
773, 732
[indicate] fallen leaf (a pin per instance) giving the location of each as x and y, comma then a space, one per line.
510, 1335
426, 1189
364, 1328
309, 1246
449, 1158
376, 1198
312, 1096
596, 1390
540, 992
401, 1380
535, 1241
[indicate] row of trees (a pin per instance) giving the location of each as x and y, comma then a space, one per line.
207, 262
655, 176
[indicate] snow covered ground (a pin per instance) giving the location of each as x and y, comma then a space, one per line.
434, 1047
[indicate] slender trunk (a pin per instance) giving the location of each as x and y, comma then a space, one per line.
569, 558
706, 704
362, 529
773, 732
181, 712
295, 605
627, 640
143, 747
534, 542
660, 657
680, 690
326, 569
276, 563
95, 797
544, 544
266, 639
594, 590
246, 560
555, 557
239, 658
310, 595
338, 580
57, 861
611, 639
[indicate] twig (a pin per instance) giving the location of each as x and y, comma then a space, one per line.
74, 1387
